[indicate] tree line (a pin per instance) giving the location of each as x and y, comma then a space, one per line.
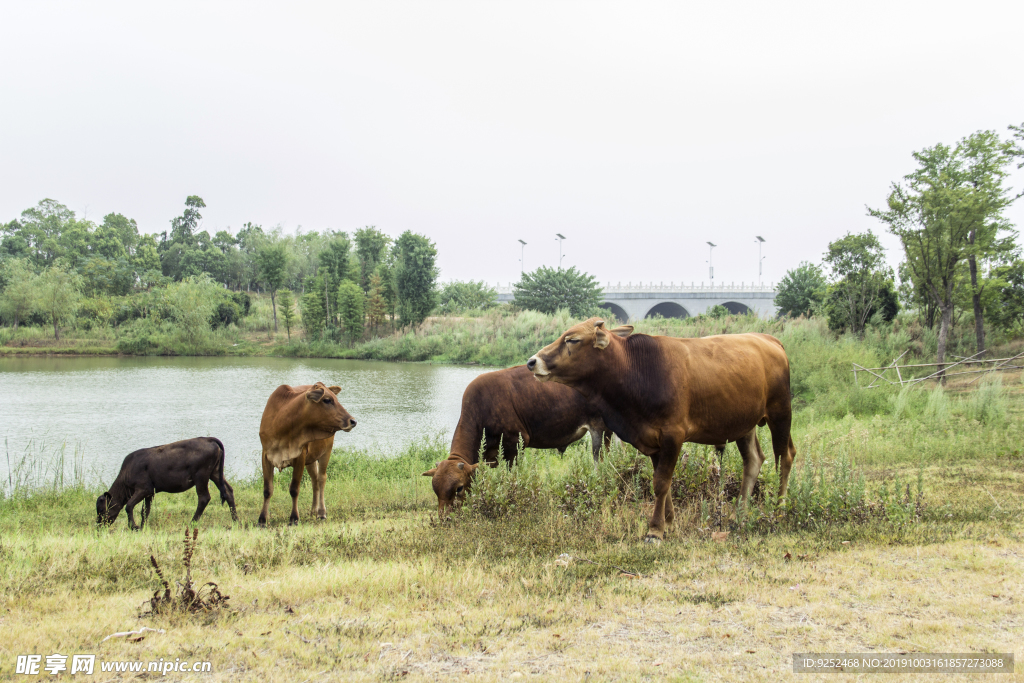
55, 265
960, 254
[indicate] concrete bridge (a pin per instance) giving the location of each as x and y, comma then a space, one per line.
638, 301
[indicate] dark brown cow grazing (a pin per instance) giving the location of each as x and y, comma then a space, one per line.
173, 468
499, 406
297, 430
658, 393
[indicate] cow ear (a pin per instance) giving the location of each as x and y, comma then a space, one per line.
472, 468
600, 335
337, 390
623, 330
315, 394
430, 473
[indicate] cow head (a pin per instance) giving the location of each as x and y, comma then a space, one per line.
106, 509
576, 354
325, 412
450, 480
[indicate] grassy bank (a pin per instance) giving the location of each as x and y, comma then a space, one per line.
904, 533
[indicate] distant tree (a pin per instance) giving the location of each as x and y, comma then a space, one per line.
286, 302
184, 226
334, 257
313, 319
192, 303
857, 262
19, 298
146, 258
837, 305
124, 229
59, 295
717, 312
801, 290
1006, 310
350, 310
550, 289
455, 297
272, 262
949, 212
415, 277
376, 304
371, 250
249, 238
42, 228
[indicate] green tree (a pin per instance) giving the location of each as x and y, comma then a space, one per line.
272, 262
286, 302
184, 226
550, 289
371, 250
857, 263
313, 319
334, 257
192, 303
415, 277
59, 295
350, 310
376, 304
951, 211
1006, 310
20, 295
42, 228
801, 290
455, 297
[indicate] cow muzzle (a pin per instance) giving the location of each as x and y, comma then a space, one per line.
350, 426
538, 367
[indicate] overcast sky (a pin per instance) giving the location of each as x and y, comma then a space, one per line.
638, 130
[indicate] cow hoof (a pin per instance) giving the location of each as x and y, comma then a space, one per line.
262, 523
293, 522
652, 539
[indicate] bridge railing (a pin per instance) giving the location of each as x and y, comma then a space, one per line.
619, 287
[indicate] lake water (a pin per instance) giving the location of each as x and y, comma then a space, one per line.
108, 407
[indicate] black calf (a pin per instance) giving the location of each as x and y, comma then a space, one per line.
172, 468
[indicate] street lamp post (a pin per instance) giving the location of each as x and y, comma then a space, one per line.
522, 253
711, 267
760, 241
559, 236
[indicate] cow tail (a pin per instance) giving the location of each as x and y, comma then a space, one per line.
218, 470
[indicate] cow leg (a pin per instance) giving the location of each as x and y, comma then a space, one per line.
147, 506
203, 489
782, 445
297, 470
320, 484
664, 468
268, 490
597, 441
227, 494
312, 468
129, 507
753, 458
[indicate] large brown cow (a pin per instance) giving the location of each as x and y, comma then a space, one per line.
297, 430
658, 393
498, 407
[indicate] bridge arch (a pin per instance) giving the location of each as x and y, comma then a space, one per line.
736, 308
668, 309
616, 310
